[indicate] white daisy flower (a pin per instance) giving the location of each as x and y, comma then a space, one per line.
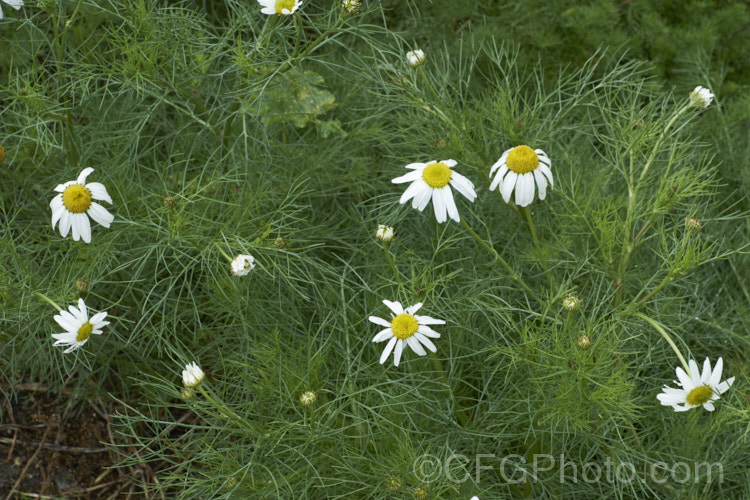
405, 327
281, 7
243, 264
74, 205
192, 375
384, 233
78, 327
520, 168
701, 97
415, 57
16, 4
697, 389
432, 181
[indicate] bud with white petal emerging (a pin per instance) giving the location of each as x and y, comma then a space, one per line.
351, 6
307, 398
192, 375
584, 342
242, 265
415, 57
384, 233
701, 97
571, 303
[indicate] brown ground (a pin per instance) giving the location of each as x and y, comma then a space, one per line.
52, 448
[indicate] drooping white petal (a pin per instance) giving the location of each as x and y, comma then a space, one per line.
383, 335
450, 203
425, 341
100, 214
82, 176
416, 346
524, 190
397, 352
541, 183
388, 349
547, 173
65, 223
16, 4
413, 190
84, 226
498, 178
407, 177
420, 166
98, 191
422, 198
439, 205
509, 182
463, 186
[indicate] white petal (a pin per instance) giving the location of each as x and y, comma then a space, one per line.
684, 378
98, 191
396, 307
413, 309
498, 164
509, 182
82, 176
412, 191
76, 229
450, 163
387, 350
383, 335
695, 373
98, 318
450, 203
67, 322
498, 178
83, 311
548, 173
708, 405
463, 186
84, 226
428, 332
416, 165
524, 190
379, 321
408, 177
65, 223
397, 352
100, 214
416, 346
56, 214
716, 374
706, 373
16, 4
427, 342
423, 197
438, 204
724, 386
426, 320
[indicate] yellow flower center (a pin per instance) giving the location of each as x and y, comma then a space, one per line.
699, 395
284, 4
76, 198
404, 326
437, 174
84, 332
522, 160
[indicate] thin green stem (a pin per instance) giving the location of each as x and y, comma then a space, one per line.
542, 261
226, 412
429, 85
666, 336
502, 262
635, 305
391, 262
48, 300
439, 368
230, 259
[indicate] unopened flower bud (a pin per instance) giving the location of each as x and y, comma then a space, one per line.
421, 493
82, 285
571, 303
415, 57
351, 6
170, 202
307, 398
279, 242
584, 342
693, 224
393, 483
701, 97
384, 233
